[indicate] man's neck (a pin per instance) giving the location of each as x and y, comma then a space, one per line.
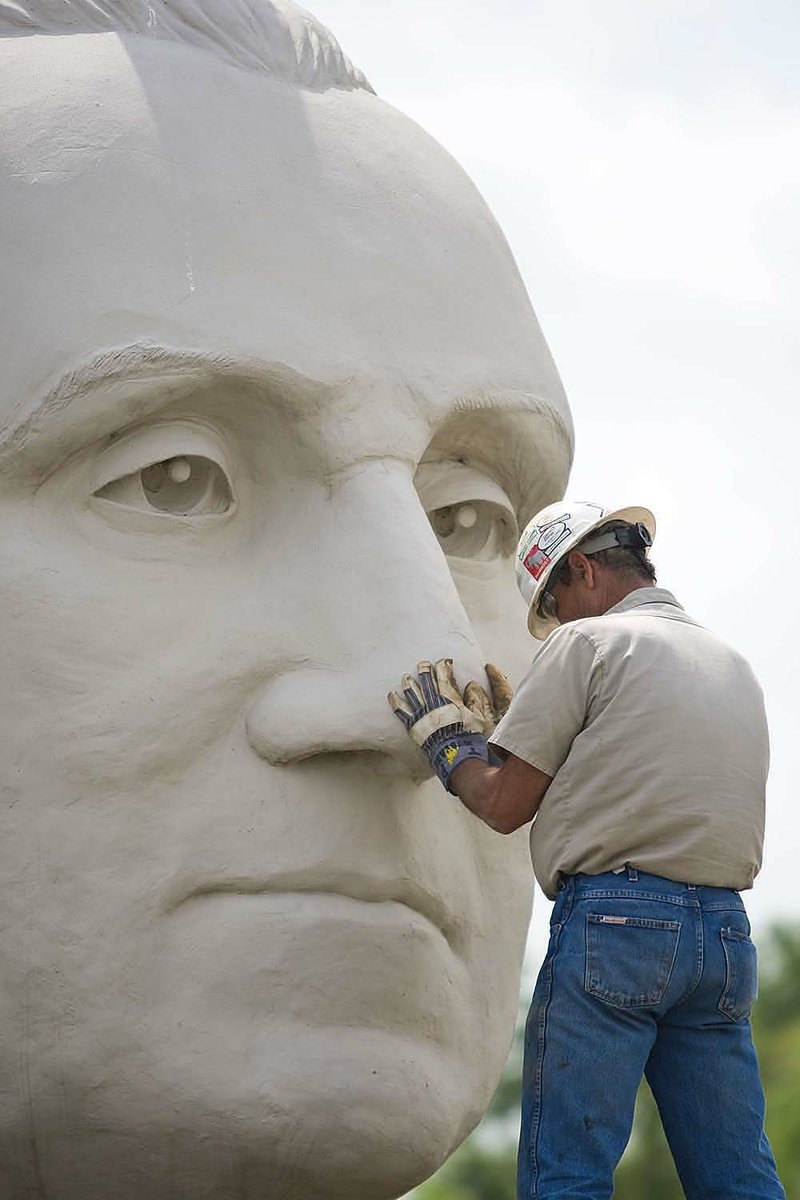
616, 591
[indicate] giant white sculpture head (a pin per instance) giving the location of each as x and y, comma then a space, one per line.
261, 338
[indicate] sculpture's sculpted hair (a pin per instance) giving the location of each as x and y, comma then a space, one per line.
273, 36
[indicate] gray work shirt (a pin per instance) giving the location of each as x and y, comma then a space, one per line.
655, 735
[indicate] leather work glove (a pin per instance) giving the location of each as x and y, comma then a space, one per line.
450, 727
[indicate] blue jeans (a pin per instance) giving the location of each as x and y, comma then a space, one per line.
644, 976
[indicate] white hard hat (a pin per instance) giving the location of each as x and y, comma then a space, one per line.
551, 534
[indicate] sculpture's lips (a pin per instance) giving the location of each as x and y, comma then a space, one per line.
354, 886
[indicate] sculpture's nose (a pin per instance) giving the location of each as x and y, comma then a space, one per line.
384, 599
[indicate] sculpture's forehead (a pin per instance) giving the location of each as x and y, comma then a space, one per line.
98, 104
156, 194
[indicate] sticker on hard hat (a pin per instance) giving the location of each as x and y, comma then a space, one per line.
548, 538
536, 561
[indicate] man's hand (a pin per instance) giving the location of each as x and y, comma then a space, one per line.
449, 727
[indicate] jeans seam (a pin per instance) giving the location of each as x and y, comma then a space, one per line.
678, 901
620, 894
541, 1031
699, 962
700, 958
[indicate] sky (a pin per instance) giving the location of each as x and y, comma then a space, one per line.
643, 160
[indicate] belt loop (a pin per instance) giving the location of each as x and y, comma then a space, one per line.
633, 874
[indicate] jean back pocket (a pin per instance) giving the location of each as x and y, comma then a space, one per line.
629, 960
741, 975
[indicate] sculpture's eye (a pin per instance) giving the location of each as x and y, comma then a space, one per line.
187, 485
474, 529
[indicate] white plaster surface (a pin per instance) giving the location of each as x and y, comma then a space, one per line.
248, 950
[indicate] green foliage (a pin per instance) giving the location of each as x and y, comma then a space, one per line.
647, 1168
776, 1025
485, 1166
474, 1174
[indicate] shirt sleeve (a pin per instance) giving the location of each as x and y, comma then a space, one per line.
550, 706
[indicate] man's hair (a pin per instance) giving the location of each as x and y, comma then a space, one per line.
622, 560
272, 36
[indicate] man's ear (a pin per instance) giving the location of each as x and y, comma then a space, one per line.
574, 560
584, 569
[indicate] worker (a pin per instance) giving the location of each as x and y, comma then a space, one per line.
637, 744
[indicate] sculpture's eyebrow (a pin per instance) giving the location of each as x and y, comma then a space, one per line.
142, 363
521, 436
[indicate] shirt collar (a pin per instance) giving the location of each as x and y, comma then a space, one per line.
643, 596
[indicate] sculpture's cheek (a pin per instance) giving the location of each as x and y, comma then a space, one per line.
489, 594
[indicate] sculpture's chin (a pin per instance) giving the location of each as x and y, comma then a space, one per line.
352, 1115
374, 1134
248, 1048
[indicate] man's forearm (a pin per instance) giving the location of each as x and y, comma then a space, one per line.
506, 797
474, 784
